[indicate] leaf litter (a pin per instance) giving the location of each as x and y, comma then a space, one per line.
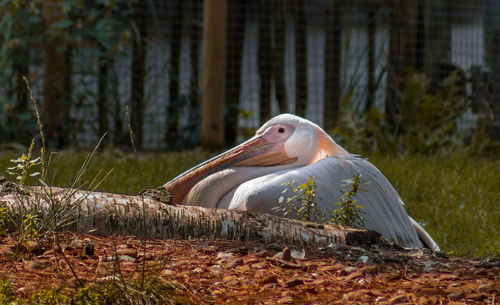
235, 272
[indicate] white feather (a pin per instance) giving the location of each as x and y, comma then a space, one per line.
382, 206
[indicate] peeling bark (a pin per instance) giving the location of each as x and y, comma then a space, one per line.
142, 216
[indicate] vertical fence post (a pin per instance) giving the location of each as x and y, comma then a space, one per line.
333, 62
214, 64
56, 77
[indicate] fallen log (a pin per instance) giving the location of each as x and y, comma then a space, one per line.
152, 217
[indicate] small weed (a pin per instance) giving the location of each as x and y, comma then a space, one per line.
87, 296
147, 291
7, 295
4, 221
30, 228
23, 166
40, 128
349, 213
39, 217
304, 203
49, 297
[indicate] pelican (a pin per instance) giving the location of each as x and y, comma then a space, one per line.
251, 177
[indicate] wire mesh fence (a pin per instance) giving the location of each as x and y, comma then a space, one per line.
116, 66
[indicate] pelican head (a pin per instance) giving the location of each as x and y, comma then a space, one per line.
285, 141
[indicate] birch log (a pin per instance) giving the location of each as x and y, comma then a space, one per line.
142, 216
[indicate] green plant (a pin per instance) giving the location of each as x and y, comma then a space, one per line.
36, 219
348, 212
24, 165
150, 290
7, 295
49, 297
4, 221
30, 228
40, 129
427, 122
49, 212
87, 296
304, 204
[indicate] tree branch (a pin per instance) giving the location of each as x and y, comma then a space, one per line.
142, 216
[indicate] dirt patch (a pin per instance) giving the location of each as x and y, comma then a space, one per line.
221, 271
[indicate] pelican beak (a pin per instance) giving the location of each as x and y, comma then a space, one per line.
254, 152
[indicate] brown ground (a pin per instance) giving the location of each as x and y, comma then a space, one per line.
220, 271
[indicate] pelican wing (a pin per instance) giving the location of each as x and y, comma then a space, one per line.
383, 209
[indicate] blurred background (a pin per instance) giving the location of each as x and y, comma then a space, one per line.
407, 75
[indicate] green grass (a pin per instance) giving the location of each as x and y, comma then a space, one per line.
129, 175
455, 197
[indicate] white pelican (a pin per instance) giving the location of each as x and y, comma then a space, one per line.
250, 177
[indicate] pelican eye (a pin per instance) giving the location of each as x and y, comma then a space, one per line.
281, 130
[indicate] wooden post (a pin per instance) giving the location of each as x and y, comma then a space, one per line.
56, 77
437, 47
371, 88
333, 62
138, 68
236, 17
214, 65
174, 105
278, 60
300, 58
402, 27
492, 45
264, 61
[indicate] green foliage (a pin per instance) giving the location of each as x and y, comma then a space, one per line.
30, 228
24, 164
27, 225
37, 218
104, 26
87, 296
4, 221
426, 124
349, 213
150, 290
49, 297
7, 295
304, 204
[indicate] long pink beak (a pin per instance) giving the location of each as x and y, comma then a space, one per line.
254, 152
